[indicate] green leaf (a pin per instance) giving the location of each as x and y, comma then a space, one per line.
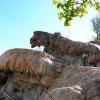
74, 8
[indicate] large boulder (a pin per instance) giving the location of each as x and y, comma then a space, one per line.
32, 75
23, 71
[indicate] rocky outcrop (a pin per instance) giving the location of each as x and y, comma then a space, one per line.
62, 72
32, 75
27, 71
66, 49
14, 60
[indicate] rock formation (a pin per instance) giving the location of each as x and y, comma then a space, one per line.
32, 75
58, 73
23, 65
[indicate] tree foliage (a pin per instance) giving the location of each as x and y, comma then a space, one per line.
68, 9
96, 26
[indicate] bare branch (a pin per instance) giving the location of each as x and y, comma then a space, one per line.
39, 80
7, 95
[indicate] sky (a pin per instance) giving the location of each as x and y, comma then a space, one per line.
20, 18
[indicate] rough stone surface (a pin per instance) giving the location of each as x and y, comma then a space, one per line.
64, 71
53, 79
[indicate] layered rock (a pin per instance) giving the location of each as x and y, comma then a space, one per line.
27, 71
33, 75
58, 73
